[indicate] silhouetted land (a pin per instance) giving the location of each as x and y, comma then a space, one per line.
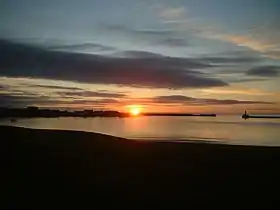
30, 112
62, 169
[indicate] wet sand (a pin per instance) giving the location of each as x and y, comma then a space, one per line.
50, 168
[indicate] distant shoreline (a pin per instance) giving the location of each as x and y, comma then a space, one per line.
31, 112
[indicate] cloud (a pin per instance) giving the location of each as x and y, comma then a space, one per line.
55, 87
14, 99
20, 100
137, 32
237, 57
93, 94
232, 57
262, 38
229, 60
172, 13
11, 90
82, 47
137, 54
174, 42
248, 40
104, 101
92, 103
17, 60
264, 71
264, 41
23, 100
173, 98
153, 32
241, 80
273, 53
64, 44
181, 99
182, 23
164, 37
236, 91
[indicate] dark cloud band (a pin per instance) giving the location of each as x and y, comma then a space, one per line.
264, 71
180, 99
150, 72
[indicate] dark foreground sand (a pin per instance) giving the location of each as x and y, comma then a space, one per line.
47, 168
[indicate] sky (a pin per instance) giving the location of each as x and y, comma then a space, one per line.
219, 56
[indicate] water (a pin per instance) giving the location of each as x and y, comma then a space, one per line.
221, 129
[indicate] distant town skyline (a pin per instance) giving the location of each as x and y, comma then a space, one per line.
204, 56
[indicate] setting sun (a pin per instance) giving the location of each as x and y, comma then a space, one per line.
135, 110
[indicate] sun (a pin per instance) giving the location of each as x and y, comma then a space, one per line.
135, 110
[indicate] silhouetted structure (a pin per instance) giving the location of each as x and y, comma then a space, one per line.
247, 116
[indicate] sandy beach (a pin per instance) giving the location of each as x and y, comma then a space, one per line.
47, 168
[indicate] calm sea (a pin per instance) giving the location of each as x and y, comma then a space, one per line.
221, 129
